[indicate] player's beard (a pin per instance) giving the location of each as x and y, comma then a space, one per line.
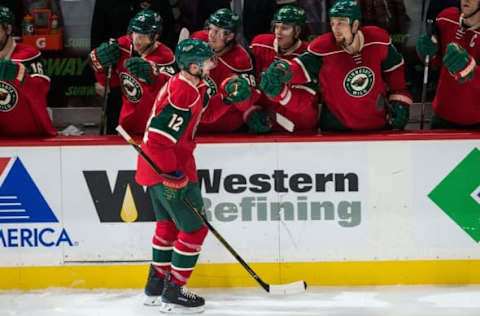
343, 41
340, 42
199, 74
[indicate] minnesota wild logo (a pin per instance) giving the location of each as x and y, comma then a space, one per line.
8, 97
131, 88
359, 81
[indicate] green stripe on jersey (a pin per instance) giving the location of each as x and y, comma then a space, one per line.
393, 58
311, 64
171, 121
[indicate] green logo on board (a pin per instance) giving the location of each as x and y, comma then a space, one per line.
458, 195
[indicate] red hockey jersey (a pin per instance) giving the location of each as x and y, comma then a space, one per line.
301, 107
454, 101
236, 61
169, 138
138, 96
351, 84
23, 104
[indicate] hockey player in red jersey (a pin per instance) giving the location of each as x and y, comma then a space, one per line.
23, 86
169, 142
233, 71
456, 46
358, 70
299, 104
141, 65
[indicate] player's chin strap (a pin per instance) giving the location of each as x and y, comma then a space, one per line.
282, 51
475, 12
150, 45
351, 48
229, 45
345, 45
354, 34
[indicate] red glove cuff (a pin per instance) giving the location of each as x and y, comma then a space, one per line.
467, 70
95, 62
401, 97
284, 96
249, 112
175, 182
21, 74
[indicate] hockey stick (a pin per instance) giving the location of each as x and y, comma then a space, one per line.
279, 118
425, 76
184, 34
284, 122
281, 289
103, 122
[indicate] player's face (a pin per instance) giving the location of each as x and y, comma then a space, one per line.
341, 30
285, 35
469, 6
202, 70
218, 38
141, 42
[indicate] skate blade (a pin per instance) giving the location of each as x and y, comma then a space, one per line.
153, 301
169, 308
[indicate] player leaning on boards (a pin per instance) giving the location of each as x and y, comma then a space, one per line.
23, 86
233, 72
357, 68
169, 142
455, 44
299, 103
141, 66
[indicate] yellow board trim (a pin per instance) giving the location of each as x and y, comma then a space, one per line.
234, 275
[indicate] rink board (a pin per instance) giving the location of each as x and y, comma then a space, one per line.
329, 211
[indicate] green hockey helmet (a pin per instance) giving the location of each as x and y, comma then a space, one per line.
290, 14
6, 16
346, 9
192, 51
146, 22
225, 19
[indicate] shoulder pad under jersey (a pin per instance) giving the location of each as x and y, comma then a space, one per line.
237, 59
263, 40
24, 53
451, 14
163, 55
375, 34
181, 92
324, 45
201, 35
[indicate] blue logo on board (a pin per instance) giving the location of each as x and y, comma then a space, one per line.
22, 202
20, 199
